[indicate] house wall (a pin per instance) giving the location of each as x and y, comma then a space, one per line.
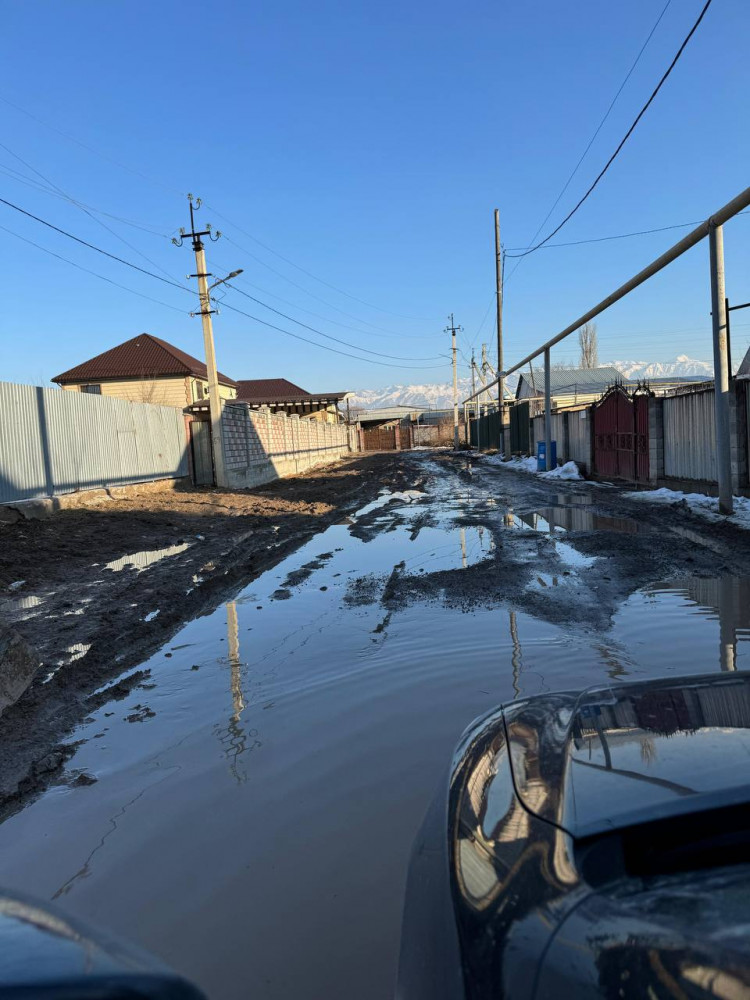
178, 391
54, 442
260, 446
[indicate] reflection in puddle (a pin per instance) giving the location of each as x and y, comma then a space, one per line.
142, 560
726, 598
571, 519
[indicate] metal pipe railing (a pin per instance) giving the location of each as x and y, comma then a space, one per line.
732, 208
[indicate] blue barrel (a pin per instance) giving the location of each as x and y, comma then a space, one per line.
541, 456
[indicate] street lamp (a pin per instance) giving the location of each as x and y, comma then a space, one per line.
221, 281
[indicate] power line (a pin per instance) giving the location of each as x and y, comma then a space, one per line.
310, 274
328, 336
89, 271
312, 295
324, 347
624, 236
627, 135
166, 187
92, 246
90, 149
20, 178
310, 312
80, 206
599, 126
166, 281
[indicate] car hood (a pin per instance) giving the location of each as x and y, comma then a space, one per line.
614, 756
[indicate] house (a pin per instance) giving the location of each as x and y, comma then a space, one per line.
569, 386
282, 396
145, 369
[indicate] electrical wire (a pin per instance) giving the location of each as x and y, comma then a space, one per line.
92, 246
20, 178
624, 236
365, 350
312, 295
80, 206
173, 190
90, 149
324, 347
310, 274
89, 271
627, 135
166, 281
599, 126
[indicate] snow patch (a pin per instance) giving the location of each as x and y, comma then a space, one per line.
698, 503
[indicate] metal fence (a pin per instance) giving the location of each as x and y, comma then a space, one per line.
690, 436
54, 441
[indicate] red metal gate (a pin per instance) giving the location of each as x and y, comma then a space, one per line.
621, 435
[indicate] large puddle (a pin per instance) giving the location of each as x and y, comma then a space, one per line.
257, 797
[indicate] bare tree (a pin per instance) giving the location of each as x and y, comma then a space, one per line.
587, 341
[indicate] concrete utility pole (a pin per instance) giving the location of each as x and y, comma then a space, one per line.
721, 369
214, 400
499, 297
452, 330
483, 376
548, 411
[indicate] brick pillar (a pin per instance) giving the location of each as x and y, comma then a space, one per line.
655, 440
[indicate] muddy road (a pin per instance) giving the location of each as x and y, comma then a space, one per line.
245, 806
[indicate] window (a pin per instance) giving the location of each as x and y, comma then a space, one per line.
197, 391
96, 390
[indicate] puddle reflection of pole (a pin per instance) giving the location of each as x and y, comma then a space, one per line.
233, 639
727, 632
463, 547
516, 657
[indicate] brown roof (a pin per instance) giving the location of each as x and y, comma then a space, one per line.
279, 390
145, 356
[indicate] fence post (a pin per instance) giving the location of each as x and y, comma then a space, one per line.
548, 410
721, 368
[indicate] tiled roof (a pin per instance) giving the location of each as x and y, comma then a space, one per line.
261, 389
278, 390
145, 356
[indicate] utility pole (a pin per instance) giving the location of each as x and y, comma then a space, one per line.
499, 298
483, 376
204, 296
722, 372
452, 330
473, 368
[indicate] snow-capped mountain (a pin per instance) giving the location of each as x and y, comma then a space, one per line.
439, 396
682, 365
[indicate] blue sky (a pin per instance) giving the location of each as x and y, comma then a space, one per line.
368, 144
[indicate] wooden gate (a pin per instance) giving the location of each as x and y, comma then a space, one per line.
380, 438
621, 435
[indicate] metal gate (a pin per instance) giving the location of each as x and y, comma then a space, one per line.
519, 428
200, 442
380, 438
621, 435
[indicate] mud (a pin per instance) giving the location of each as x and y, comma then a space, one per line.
95, 590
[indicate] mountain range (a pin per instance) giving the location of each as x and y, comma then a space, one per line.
439, 395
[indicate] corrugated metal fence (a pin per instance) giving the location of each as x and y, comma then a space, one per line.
689, 436
53, 442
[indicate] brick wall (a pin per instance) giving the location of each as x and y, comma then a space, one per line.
260, 446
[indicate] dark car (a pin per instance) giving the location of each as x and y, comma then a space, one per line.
590, 844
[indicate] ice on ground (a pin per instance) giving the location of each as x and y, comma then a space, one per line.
407, 496
699, 503
567, 471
